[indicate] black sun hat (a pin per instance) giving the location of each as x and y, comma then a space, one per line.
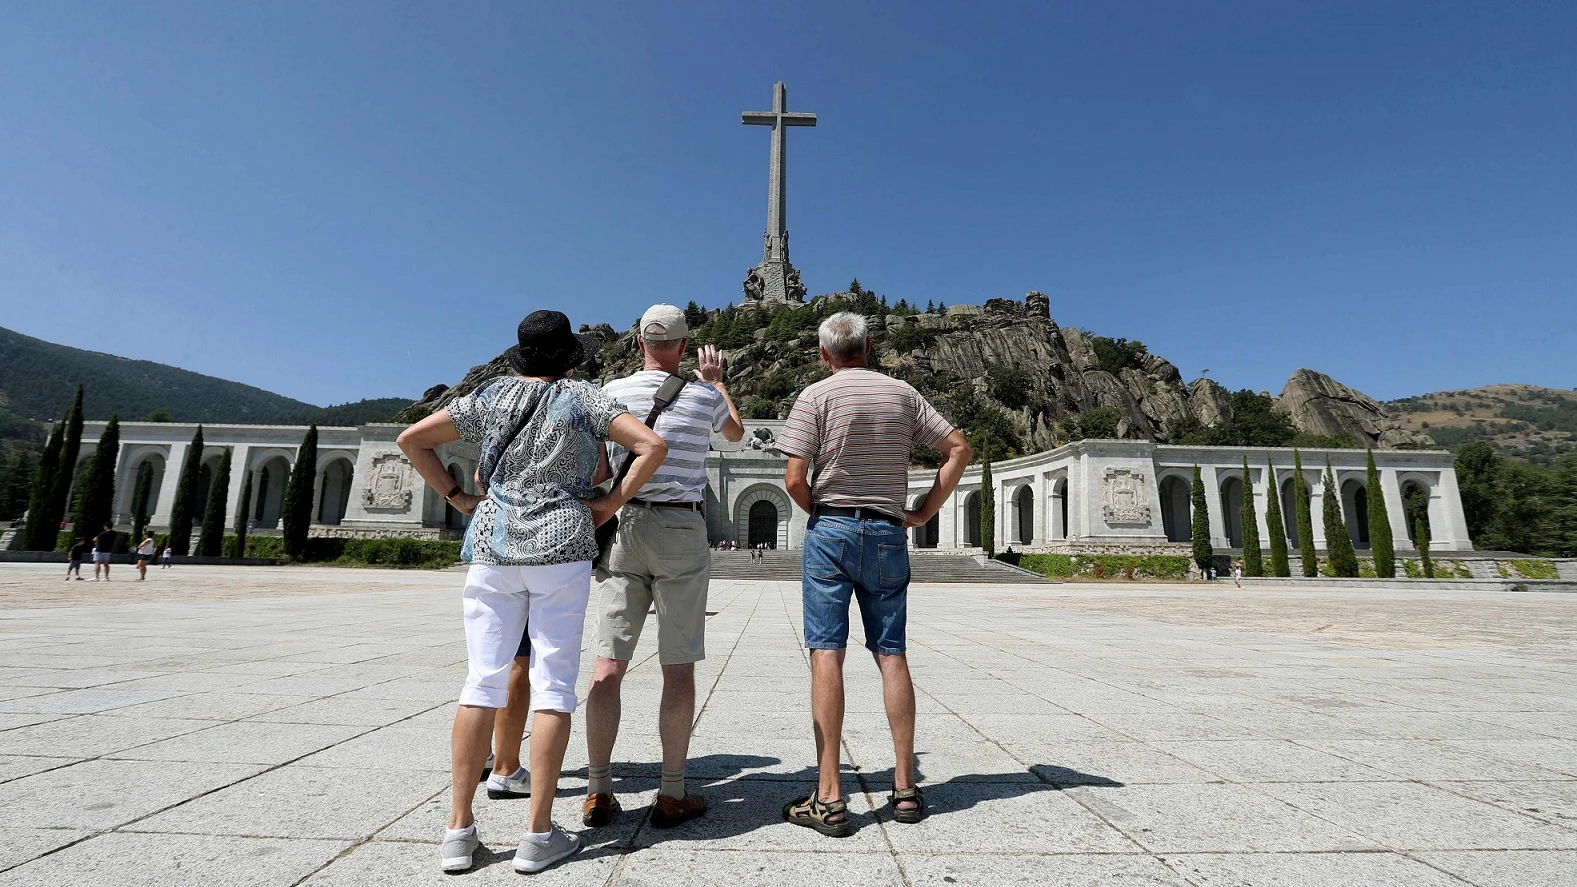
547, 346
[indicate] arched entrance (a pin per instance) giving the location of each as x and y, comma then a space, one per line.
1415, 504
334, 491
1058, 512
761, 517
972, 520
1175, 509
928, 535
1355, 512
1232, 511
1024, 510
152, 464
1289, 509
268, 492
763, 525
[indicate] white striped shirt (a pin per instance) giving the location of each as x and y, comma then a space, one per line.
686, 426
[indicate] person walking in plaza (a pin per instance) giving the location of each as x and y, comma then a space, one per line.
530, 544
852, 433
164, 559
144, 554
659, 557
103, 550
1237, 575
79, 549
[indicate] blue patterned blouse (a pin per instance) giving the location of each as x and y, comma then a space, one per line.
532, 515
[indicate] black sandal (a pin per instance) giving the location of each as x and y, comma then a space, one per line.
905, 814
811, 812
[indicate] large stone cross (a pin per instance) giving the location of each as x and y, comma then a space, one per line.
775, 279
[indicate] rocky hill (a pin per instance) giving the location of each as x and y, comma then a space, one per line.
1008, 374
1525, 421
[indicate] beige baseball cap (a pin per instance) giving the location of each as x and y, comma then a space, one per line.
663, 323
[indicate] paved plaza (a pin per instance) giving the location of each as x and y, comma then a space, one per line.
290, 726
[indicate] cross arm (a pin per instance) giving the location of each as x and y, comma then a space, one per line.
797, 119
759, 118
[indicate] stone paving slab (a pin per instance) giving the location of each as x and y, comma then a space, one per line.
283, 726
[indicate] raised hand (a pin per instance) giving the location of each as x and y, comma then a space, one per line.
709, 364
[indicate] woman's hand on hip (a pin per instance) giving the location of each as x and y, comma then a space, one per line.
465, 503
602, 508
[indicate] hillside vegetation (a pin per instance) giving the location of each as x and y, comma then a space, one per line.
38, 380
1527, 422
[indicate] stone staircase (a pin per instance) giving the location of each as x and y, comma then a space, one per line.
784, 566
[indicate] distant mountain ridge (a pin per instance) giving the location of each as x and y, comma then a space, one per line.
39, 378
1528, 422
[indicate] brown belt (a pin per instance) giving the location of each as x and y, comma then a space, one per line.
688, 506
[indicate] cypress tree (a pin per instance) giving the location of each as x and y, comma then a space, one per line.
1274, 522
988, 511
139, 501
39, 534
1253, 565
1305, 516
184, 509
16, 481
297, 509
1421, 531
242, 513
98, 496
211, 542
1204, 557
60, 492
1338, 545
1381, 544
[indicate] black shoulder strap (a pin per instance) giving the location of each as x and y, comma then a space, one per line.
666, 394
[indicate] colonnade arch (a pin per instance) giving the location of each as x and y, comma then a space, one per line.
1176, 510
972, 520
1355, 511
929, 534
1024, 514
1232, 510
268, 491
761, 516
334, 483
1057, 512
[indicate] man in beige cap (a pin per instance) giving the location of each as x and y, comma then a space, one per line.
660, 557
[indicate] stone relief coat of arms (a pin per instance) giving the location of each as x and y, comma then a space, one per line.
389, 486
1125, 499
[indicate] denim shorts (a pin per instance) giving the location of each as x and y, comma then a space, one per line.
865, 559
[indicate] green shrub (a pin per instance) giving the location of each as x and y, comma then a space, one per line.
1056, 566
1101, 566
1462, 571
1412, 569
1366, 569
1535, 569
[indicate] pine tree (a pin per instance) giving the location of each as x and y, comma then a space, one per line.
1305, 516
1381, 544
184, 509
243, 513
211, 542
930, 306
1204, 556
97, 504
854, 287
1338, 545
296, 513
942, 307
60, 492
1421, 531
988, 511
1253, 565
1275, 524
39, 534
139, 501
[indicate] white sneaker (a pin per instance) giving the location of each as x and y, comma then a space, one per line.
534, 856
457, 849
515, 785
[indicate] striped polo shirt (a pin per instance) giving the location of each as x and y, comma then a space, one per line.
856, 427
686, 426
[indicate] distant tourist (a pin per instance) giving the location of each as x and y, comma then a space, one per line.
853, 433
1237, 575
530, 544
164, 559
658, 557
79, 549
1212, 573
144, 554
103, 550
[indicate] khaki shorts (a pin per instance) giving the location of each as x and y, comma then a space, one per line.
660, 557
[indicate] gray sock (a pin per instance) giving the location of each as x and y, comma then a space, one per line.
673, 784
599, 780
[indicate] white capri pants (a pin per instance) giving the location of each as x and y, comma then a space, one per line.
497, 602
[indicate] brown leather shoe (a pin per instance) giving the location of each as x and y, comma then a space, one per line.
668, 812
598, 810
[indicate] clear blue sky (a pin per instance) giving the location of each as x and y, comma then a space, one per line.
336, 201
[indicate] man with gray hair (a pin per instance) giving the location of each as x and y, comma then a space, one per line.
848, 440
659, 557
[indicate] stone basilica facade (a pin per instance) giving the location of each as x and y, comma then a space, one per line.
1091, 496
